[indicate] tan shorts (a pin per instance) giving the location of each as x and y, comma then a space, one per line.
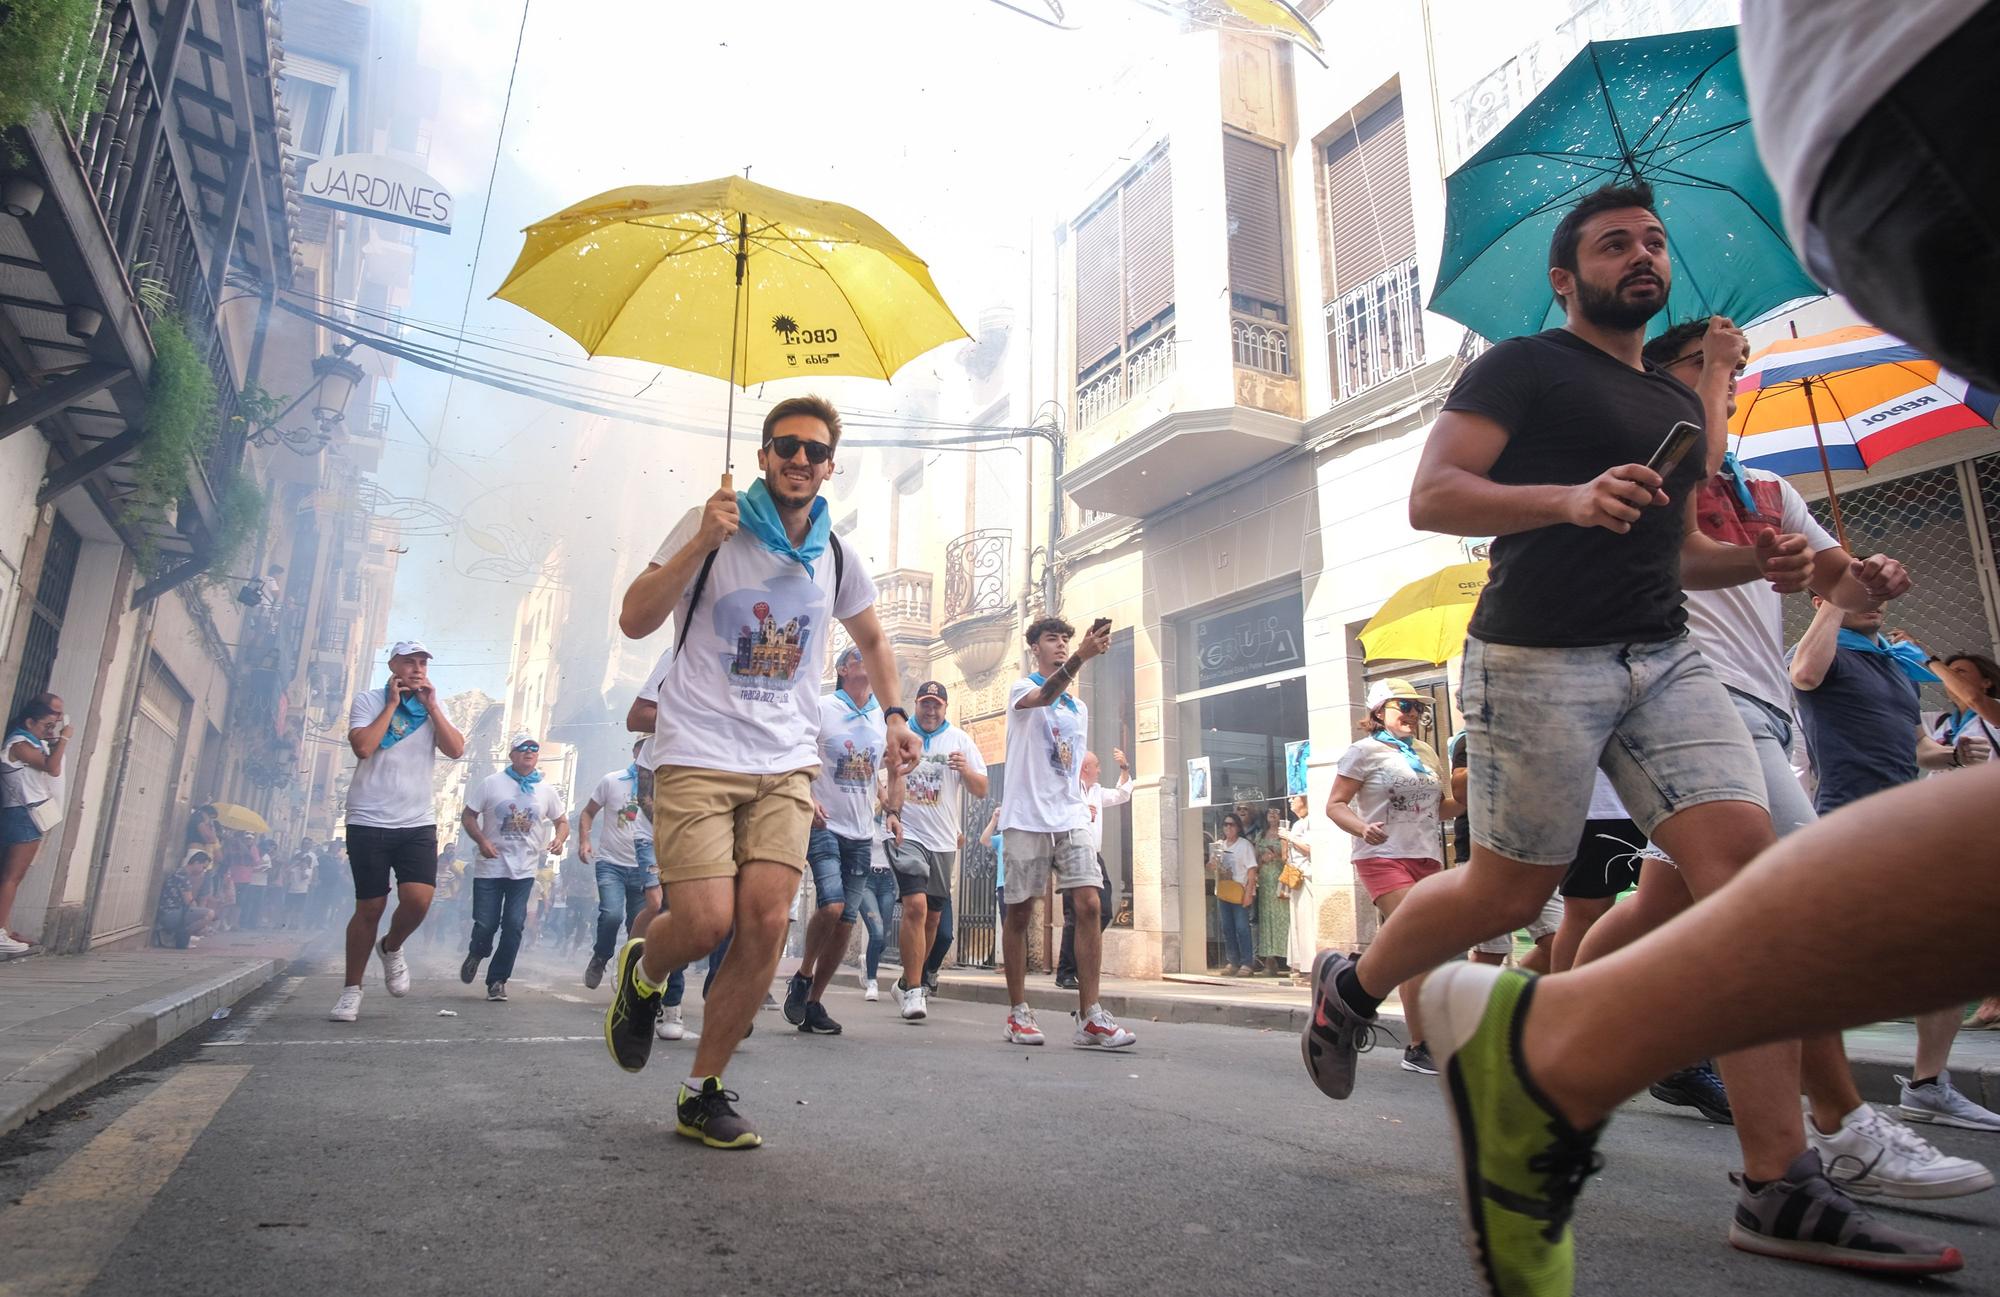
706, 823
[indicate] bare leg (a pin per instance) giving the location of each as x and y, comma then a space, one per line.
1452, 911
764, 892
1580, 915
361, 930
13, 868
826, 941
1089, 945
1014, 948
413, 902
910, 938
1537, 960
655, 902
1828, 1079
1935, 1032
1388, 903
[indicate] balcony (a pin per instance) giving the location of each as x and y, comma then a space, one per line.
1376, 332
1140, 370
903, 602
978, 601
1262, 345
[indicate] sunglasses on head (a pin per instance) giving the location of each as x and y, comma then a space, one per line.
817, 452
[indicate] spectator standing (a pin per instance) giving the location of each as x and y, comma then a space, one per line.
30, 766
1235, 889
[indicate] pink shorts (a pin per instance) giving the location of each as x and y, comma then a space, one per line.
1384, 874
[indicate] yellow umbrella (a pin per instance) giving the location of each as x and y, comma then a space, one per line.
1425, 621
732, 279
240, 818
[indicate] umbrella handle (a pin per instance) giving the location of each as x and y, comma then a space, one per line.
728, 482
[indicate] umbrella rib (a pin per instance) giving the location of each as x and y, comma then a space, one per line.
1682, 98
1611, 112
840, 288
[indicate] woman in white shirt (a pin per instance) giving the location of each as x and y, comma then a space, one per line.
1304, 897
1235, 869
30, 765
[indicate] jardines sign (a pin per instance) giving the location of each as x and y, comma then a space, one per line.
374, 185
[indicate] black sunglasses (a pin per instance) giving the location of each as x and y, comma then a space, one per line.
1407, 706
817, 452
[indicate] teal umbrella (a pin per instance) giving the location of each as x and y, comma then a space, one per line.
1669, 110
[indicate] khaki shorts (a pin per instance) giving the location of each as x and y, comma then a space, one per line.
707, 823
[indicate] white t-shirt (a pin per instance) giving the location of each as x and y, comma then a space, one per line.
934, 793
650, 692
1815, 68
1235, 860
1604, 803
1741, 630
20, 783
392, 789
1404, 801
1304, 829
850, 753
743, 693
1097, 796
1943, 729
615, 827
1044, 792
520, 822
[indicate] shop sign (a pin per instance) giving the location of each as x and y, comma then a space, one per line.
374, 185
1247, 642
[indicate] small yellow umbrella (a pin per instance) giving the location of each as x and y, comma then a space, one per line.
241, 818
1425, 621
731, 279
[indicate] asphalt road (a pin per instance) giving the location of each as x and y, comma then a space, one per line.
500, 1151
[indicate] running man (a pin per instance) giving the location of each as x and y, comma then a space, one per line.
925, 835
1544, 443
518, 821
627, 881
753, 582
1045, 824
396, 732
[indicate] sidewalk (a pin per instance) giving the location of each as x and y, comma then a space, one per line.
69, 1021
1879, 1053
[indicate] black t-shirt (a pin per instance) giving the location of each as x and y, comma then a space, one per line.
1572, 411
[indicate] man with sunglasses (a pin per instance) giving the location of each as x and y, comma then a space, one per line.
753, 582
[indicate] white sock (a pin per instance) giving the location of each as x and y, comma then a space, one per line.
693, 1084
355, 987
1021, 1008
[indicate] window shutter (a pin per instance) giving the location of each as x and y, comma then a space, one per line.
1369, 217
1098, 313
1149, 245
1256, 240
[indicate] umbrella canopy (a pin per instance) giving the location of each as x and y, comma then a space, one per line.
1669, 110
240, 818
1425, 621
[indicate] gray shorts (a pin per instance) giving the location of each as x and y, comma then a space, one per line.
1031, 856
913, 860
1538, 721
1545, 925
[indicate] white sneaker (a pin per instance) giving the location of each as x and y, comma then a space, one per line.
913, 1003
9, 946
869, 991
348, 1008
1871, 1156
395, 969
1097, 1030
670, 1025
1022, 1028
1943, 1104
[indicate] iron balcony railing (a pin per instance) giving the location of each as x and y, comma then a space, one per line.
1376, 331
975, 574
1141, 370
1263, 345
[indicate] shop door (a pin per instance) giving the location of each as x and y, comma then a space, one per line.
978, 914
139, 829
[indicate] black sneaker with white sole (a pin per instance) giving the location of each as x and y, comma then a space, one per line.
796, 990
1698, 1087
817, 1023
629, 1018
469, 969
1417, 1058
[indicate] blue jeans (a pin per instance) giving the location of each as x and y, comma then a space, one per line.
1236, 945
877, 903
499, 904
623, 888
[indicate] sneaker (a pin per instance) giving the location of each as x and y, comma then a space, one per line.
10, 946
914, 1008
1697, 1087
593, 972
1803, 1217
1065, 982
1098, 1030
709, 1117
1941, 1104
930, 983
869, 991
770, 1002
469, 969
1521, 1165
1227, 970
348, 1007
496, 992
1417, 1058
1335, 1035
817, 1022
796, 990
628, 1019
1871, 1155
671, 1025
395, 969
1021, 1028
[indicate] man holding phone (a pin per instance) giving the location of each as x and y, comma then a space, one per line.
396, 733
1582, 632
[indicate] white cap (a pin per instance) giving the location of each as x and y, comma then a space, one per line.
409, 648
521, 739
1382, 691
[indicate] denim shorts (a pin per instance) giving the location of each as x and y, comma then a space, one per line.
649, 865
1538, 721
1031, 857
17, 826
830, 856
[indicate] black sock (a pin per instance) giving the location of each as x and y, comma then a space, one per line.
1755, 1186
1350, 990
1922, 1081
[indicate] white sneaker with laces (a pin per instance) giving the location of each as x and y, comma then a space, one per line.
1873, 1156
869, 991
348, 1007
914, 1008
395, 969
1097, 1030
670, 1025
9, 946
1943, 1105
1021, 1027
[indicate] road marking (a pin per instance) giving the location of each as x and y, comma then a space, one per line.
239, 1029
428, 1040
63, 1230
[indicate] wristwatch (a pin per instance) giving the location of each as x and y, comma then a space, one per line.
887, 712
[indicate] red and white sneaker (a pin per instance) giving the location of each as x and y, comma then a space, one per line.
1021, 1028
1097, 1030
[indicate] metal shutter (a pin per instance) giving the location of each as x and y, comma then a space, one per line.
1098, 310
1256, 239
1149, 244
1369, 219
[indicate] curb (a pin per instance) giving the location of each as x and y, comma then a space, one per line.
116, 1043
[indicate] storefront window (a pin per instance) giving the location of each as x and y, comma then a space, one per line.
1109, 686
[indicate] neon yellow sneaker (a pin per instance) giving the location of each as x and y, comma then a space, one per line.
708, 1117
1521, 1165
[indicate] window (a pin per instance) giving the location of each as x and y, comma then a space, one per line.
1253, 194
1375, 321
45, 613
1111, 685
1125, 290
315, 93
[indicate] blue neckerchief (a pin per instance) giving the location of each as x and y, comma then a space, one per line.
1063, 698
1907, 656
1961, 721
760, 516
632, 773
526, 781
18, 735
929, 734
1409, 751
856, 713
410, 713
1734, 472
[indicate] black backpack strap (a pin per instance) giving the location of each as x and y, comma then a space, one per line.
839, 567
700, 582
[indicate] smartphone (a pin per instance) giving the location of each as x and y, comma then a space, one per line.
1681, 438
1102, 623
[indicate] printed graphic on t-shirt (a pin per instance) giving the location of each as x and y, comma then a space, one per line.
1062, 754
766, 633
518, 822
855, 766
1412, 797
1719, 512
924, 785
629, 812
